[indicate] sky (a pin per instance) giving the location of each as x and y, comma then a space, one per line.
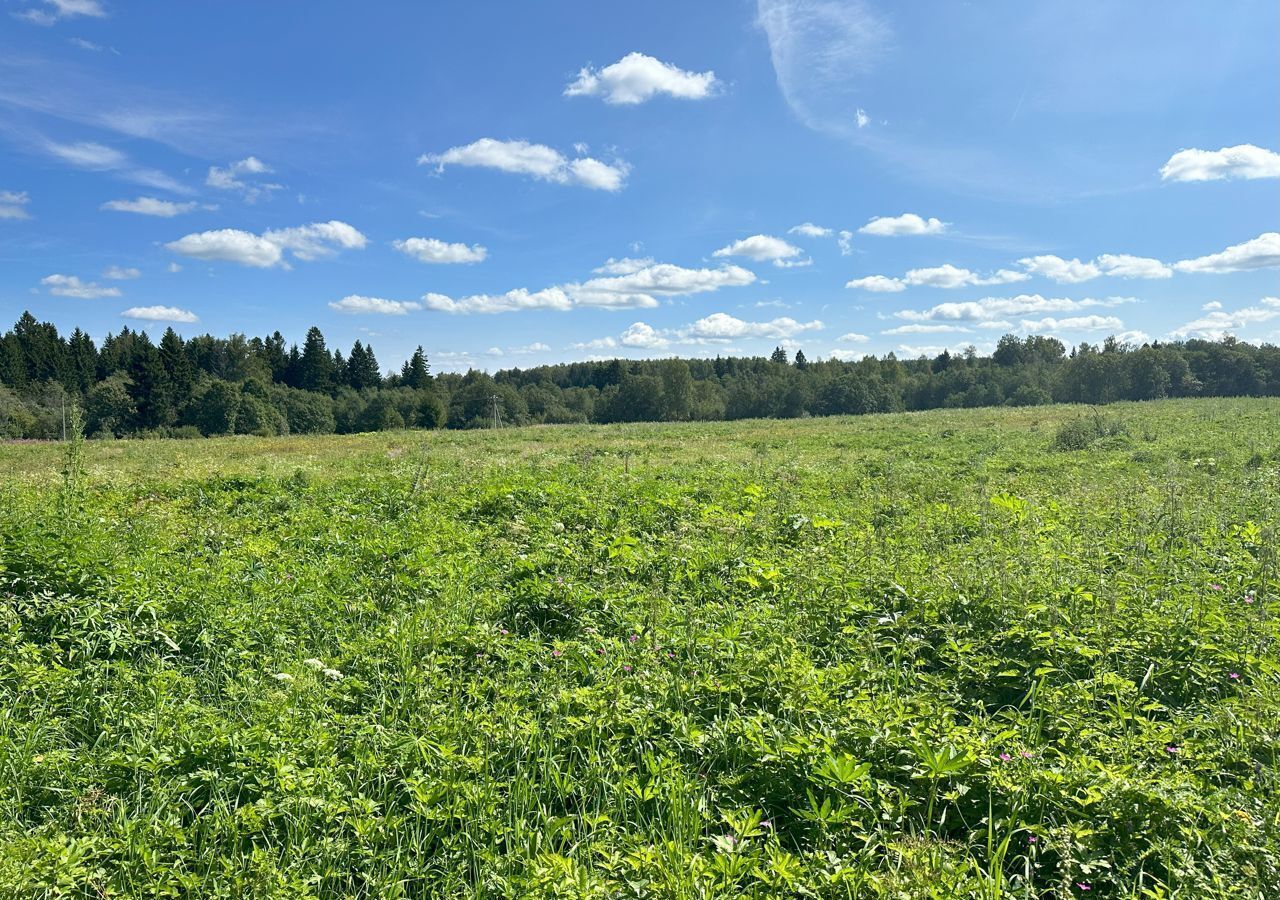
511, 184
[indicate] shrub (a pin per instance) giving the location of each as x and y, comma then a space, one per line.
1081, 433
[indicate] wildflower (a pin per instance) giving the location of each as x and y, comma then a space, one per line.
670, 655
634, 638
1234, 676
1216, 586
1084, 885
557, 653
765, 823
314, 663
1005, 756
1248, 597
1031, 839
626, 668
282, 676
503, 631
1026, 754
1173, 749
333, 673
600, 650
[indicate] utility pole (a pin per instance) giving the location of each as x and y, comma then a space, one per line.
497, 417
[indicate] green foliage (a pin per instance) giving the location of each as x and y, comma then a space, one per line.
889, 657
1081, 433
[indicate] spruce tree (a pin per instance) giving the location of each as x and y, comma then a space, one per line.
315, 366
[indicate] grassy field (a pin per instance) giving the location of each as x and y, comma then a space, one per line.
927, 655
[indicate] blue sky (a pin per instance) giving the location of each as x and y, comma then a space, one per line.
512, 184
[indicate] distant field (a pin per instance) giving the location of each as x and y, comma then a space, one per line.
974, 653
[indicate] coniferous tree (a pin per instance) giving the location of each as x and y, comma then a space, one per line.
315, 366
362, 368
800, 361
779, 356
415, 373
149, 386
82, 362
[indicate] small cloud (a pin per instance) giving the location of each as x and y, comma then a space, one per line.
1241, 161
150, 206
116, 273
233, 177
160, 314
861, 118
907, 224
535, 160
845, 243
808, 229
174, 267
306, 242
761, 248
55, 10
1211, 306
636, 78
853, 338
356, 304
1263, 252
13, 205
86, 45
72, 286
430, 250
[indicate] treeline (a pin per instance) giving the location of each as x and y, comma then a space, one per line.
205, 385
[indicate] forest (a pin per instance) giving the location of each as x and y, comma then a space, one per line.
131, 386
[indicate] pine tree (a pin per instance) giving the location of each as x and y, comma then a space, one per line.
149, 387
801, 362
315, 366
362, 367
779, 356
82, 362
416, 372
177, 369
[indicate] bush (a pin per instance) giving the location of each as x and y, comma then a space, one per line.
1081, 433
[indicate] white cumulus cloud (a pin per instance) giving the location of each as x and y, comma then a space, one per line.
722, 326
72, 286
990, 310
117, 273
905, 224
761, 248
160, 314
877, 284
808, 229
232, 177
1074, 323
306, 242
511, 301
356, 304
535, 160
150, 206
1219, 323
636, 78
1240, 161
1263, 252
431, 250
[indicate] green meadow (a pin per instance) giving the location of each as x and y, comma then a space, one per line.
1022, 653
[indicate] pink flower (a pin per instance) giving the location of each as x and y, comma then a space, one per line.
670, 655
634, 638
1173, 749
1216, 587
600, 650
1026, 754
1084, 886
557, 653
1006, 757
1248, 597
503, 631
1031, 839
626, 668
1234, 676
765, 823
